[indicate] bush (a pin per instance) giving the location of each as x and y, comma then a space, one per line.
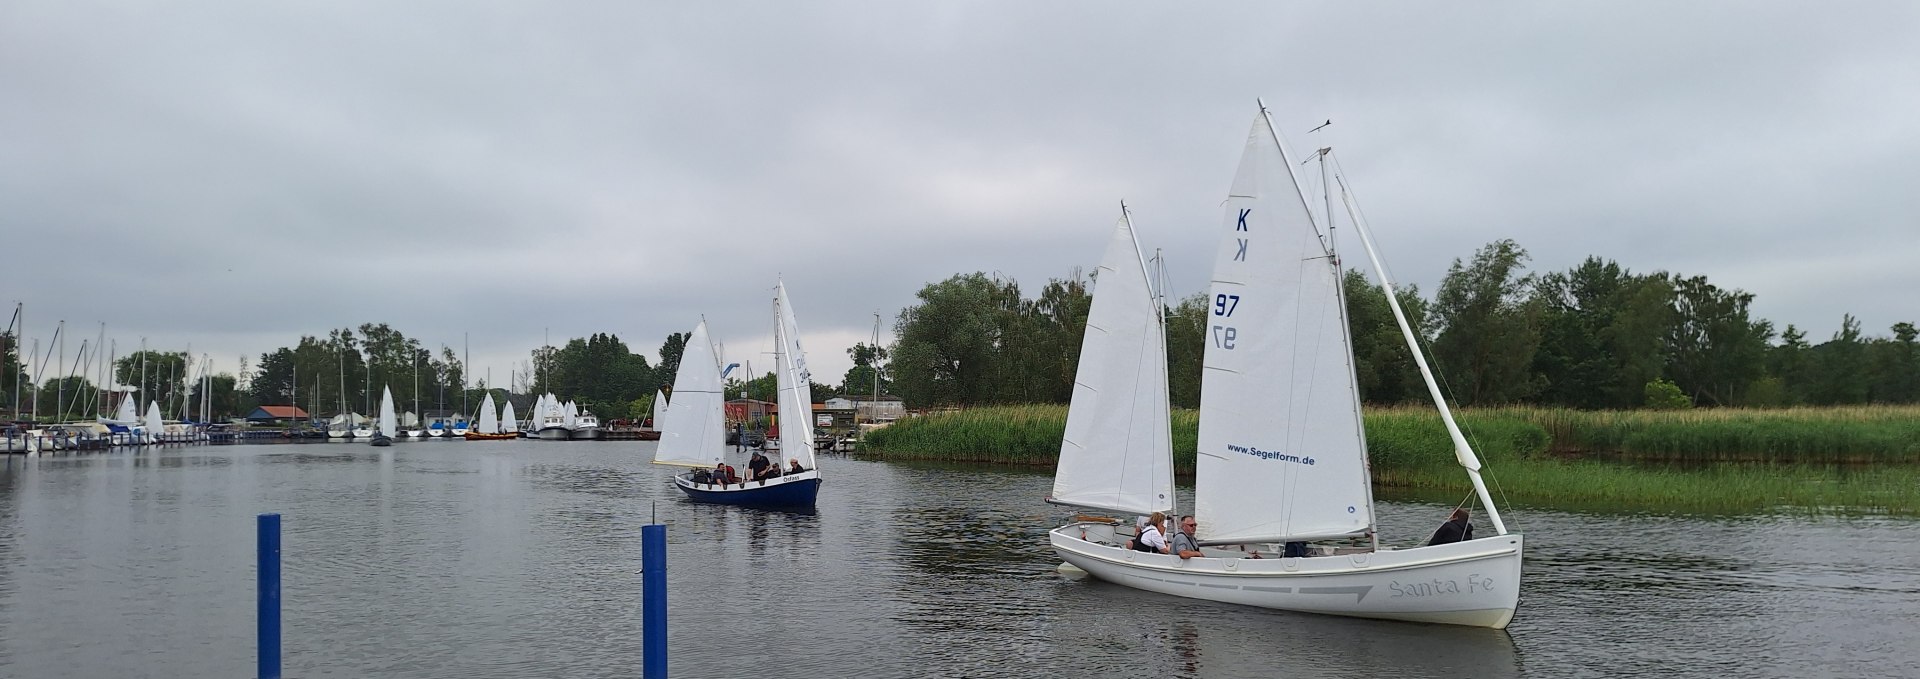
1664, 395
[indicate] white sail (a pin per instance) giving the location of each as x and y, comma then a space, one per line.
659, 403
694, 432
488, 422
155, 425
508, 424
1117, 453
1281, 456
794, 382
571, 415
127, 413
389, 423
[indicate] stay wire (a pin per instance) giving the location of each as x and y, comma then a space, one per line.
1340, 173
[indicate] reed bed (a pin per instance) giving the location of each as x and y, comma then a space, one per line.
1850, 434
1544, 457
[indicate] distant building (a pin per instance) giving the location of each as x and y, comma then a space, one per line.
276, 415
743, 409
869, 409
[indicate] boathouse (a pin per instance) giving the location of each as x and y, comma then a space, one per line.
276, 415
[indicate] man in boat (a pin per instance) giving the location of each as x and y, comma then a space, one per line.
793, 466
757, 467
1183, 544
1456, 529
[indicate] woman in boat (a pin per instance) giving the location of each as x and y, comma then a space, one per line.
1152, 536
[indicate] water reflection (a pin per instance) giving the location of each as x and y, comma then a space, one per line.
510, 559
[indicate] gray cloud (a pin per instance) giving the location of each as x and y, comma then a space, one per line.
233, 175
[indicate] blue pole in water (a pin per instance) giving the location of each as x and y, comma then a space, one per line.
653, 601
269, 611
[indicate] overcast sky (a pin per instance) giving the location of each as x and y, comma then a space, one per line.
232, 175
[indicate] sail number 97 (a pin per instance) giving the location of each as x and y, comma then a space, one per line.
1223, 305
1223, 336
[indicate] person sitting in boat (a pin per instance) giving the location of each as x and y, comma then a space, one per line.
702, 476
757, 468
1183, 543
1456, 529
719, 473
793, 466
1151, 538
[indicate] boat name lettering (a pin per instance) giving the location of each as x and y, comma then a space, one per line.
1438, 587
1270, 454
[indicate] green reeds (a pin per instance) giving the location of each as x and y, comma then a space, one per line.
1544, 456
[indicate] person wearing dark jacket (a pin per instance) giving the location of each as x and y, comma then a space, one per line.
1456, 529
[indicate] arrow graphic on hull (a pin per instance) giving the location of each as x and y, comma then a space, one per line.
1360, 590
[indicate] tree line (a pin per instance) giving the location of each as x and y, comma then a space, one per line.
1596, 336
345, 369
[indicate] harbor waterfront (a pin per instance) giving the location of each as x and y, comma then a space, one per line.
514, 559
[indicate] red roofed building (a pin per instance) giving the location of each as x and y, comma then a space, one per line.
276, 415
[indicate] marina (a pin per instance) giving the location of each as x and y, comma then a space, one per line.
522, 559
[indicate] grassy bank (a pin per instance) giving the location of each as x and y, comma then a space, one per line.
1700, 460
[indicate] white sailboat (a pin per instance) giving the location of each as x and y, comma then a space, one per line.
652, 433
508, 423
1282, 454
389, 423
155, 426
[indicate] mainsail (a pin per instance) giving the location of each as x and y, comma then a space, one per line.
488, 423
508, 421
1281, 456
389, 423
795, 384
1117, 453
694, 433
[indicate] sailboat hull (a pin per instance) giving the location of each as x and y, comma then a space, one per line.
1474, 583
792, 490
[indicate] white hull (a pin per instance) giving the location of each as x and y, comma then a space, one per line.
553, 434
459, 431
412, 433
363, 433
586, 434
338, 433
1474, 583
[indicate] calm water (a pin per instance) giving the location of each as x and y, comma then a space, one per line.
519, 559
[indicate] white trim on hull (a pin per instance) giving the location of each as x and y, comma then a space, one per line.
1473, 583
555, 433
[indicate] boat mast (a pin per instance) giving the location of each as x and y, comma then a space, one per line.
1461, 450
17, 327
340, 355
466, 358
1340, 286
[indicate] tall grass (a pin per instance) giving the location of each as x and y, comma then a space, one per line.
1543, 456
1849, 434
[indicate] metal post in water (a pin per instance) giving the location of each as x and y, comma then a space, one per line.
269, 602
653, 601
